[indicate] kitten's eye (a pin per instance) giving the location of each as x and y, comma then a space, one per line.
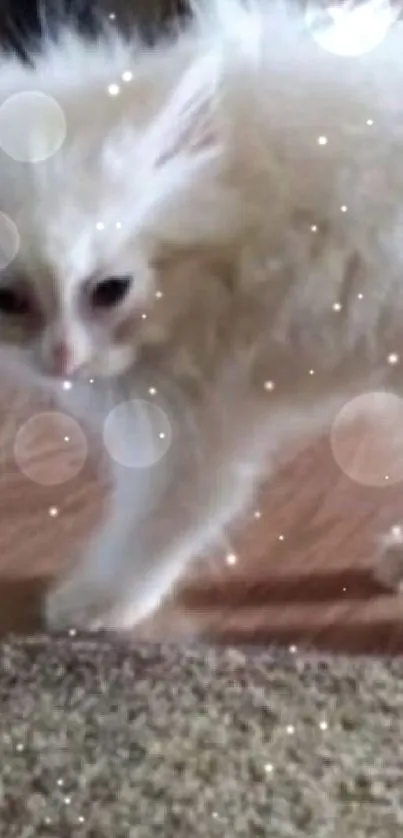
110, 292
14, 301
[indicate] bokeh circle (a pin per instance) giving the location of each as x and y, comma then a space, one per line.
349, 30
9, 241
32, 126
137, 434
50, 448
367, 439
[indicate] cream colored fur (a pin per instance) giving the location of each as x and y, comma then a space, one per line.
216, 192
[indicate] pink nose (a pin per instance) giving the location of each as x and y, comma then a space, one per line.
62, 358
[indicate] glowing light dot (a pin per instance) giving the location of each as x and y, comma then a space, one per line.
269, 768
231, 559
144, 317
161, 436
322, 140
370, 121
386, 477
118, 225
257, 514
393, 358
152, 391
53, 511
269, 385
19, 747
360, 296
344, 590
290, 729
100, 225
67, 385
112, 16
396, 531
337, 306
323, 725
67, 801
72, 632
343, 208
293, 650
67, 439
48, 820
159, 294
113, 89
314, 228
311, 372
214, 815
127, 75
81, 819
60, 782
281, 537
91, 380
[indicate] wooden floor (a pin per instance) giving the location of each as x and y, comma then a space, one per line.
302, 566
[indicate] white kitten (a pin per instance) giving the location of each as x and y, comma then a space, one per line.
187, 241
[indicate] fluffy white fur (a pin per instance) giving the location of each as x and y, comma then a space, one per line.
214, 191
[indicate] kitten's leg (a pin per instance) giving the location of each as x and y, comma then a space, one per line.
388, 568
138, 556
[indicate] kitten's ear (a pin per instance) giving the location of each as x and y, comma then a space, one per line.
186, 125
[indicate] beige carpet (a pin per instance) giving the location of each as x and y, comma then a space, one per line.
103, 741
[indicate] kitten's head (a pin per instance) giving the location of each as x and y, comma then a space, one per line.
137, 179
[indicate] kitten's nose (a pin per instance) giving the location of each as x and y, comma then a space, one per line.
62, 359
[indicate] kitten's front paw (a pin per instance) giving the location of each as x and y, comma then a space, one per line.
388, 569
76, 603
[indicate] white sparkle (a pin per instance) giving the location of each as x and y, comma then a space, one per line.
60, 782
343, 208
159, 294
231, 559
118, 225
290, 729
386, 477
67, 385
269, 385
322, 140
19, 747
269, 768
344, 590
113, 89
370, 121
152, 391
314, 228
311, 372
53, 511
48, 821
360, 296
112, 16
144, 317
396, 531
81, 819
323, 725
337, 306
281, 537
72, 632
91, 380
393, 358
67, 801
100, 225
293, 650
67, 439
257, 513
161, 436
127, 75
214, 815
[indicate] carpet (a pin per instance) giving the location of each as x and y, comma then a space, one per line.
103, 740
